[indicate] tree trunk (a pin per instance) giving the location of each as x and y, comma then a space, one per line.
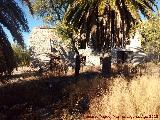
77, 63
106, 66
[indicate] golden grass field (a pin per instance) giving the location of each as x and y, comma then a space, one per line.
129, 99
140, 97
56, 98
121, 99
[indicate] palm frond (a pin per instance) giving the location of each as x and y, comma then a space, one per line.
13, 19
7, 53
28, 3
11, 9
13, 27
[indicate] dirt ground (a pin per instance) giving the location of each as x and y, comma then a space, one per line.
26, 95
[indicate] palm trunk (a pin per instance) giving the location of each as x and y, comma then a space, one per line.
77, 66
77, 63
106, 62
106, 66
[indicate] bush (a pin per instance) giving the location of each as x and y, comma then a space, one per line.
150, 31
22, 56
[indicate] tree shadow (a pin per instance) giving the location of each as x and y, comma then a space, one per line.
50, 98
15, 77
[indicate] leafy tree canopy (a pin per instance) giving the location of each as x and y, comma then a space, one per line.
150, 31
49, 10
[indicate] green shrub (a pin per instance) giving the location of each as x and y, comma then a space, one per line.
22, 56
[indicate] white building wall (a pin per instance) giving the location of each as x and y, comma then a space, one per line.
39, 44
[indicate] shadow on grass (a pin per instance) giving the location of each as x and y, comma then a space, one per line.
50, 98
6, 78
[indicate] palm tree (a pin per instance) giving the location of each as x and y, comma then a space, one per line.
13, 19
109, 20
109, 16
106, 23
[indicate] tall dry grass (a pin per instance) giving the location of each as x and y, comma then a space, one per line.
139, 97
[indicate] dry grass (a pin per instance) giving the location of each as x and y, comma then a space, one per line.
55, 98
139, 97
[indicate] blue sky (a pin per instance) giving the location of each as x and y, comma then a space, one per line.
33, 22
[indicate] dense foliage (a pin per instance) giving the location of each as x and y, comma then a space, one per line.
150, 31
22, 56
105, 22
13, 19
50, 10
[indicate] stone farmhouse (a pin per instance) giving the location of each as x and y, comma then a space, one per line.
43, 43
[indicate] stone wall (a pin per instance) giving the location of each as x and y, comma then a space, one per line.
39, 44
43, 39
